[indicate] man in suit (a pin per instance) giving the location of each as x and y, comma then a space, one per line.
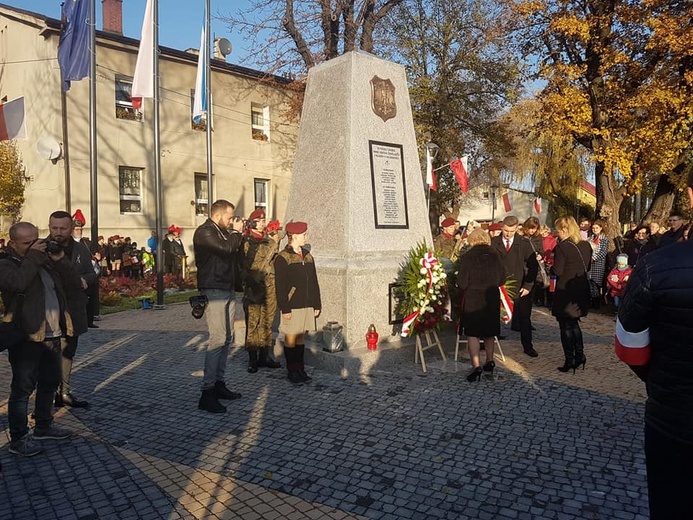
521, 264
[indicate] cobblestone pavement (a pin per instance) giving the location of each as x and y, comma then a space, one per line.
397, 443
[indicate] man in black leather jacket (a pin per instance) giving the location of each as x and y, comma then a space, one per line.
216, 244
654, 336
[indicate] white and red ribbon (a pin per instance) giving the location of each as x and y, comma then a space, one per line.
506, 303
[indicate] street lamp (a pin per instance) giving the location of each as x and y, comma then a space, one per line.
494, 190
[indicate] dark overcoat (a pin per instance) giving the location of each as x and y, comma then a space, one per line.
572, 296
481, 274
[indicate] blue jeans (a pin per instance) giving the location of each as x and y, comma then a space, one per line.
220, 314
617, 301
34, 366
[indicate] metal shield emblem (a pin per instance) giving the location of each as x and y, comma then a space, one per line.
383, 98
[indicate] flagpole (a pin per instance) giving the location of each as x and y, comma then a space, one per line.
93, 183
157, 162
208, 97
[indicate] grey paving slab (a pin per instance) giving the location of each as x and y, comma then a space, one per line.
396, 443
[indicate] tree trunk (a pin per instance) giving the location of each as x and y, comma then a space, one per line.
662, 201
609, 199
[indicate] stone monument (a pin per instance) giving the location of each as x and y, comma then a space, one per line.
357, 181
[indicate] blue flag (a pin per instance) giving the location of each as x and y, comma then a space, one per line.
73, 49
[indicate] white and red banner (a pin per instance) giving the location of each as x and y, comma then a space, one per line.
430, 174
632, 348
12, 120
506, 304
508, 201
459, 168
537, 205
143, 80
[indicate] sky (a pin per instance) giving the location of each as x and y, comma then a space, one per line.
180, 21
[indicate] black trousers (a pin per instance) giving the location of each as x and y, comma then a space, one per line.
522, 319
669, 476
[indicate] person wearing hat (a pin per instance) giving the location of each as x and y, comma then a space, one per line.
618, 278
445, 244
92, 290
259, 298
298, 298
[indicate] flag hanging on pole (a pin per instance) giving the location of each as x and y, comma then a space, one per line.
459, 168
430, 174
143, 81
537, 205
12, 120
200, 102
508, 201
73, 49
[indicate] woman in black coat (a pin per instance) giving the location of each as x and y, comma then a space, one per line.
571, 301
481, 272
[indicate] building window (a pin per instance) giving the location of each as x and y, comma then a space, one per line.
130, 187
123, 101
262, 194
202, 125
259, 118
201, 194
485, 195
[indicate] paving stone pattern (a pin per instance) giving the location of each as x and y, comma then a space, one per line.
396, 444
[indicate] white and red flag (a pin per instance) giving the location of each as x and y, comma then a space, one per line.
12, 120
459, 168
508, 201
143, 80
632, 348
430, 174
537, 205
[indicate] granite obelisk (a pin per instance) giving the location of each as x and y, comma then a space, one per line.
357, 181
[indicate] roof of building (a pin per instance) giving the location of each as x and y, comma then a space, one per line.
56, 25
589, 188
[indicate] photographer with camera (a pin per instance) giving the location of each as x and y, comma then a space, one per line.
35, 277
260, 246
216, 244
60, 226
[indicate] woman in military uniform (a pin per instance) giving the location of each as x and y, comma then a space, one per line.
260, 246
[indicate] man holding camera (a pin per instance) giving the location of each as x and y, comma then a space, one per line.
60, 226
34, 278
216, 244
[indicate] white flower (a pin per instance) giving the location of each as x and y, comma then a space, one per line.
443, 276
423, 270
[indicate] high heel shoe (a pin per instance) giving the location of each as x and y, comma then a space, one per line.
579, 362
475, 374
489, 366
567, 366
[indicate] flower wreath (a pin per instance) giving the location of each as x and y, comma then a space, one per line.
423, 291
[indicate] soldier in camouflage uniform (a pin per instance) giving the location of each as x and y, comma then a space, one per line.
260, 246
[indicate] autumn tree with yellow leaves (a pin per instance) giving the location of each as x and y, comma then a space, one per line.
619, 76
12, 180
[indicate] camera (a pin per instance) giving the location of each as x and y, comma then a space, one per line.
251, 224
198, 304
52, 246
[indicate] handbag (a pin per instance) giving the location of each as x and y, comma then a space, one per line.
11, 333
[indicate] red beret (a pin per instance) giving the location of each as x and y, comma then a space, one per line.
258, 214
296, 228
78, 218
172, 228
447, 222
273, 226
496, 227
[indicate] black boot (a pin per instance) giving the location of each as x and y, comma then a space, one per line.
292, 366
221, 392
210, 403
265, 360
580, 358
301, 349
252, 361
568, 347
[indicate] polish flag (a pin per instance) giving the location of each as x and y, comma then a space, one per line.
430, 174
12, 120
459, 168
143, 80
537, 205
508, 201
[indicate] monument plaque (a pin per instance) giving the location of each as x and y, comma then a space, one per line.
389, 188
383, 98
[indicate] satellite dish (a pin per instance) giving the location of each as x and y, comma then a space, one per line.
224, 46
49, 149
